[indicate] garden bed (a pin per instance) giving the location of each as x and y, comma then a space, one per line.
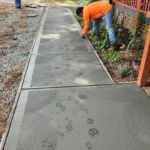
122, 63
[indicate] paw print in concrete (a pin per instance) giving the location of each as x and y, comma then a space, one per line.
62, 108
93, 132
84, 109
60, 133
70, 98
73, 90
67, 65
57, 67
80, 74
90, 121
82, 96
88, 145
76, 102
59, 104
48, 145
69, 127
81, 107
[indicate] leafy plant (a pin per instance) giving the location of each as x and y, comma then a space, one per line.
103, 42
141, 20
105, 54
83, 23
97, 43
114, 57
132, 37
95, 39
144, 36
126, 21
124, 70
91, 32
91, 1
123, 45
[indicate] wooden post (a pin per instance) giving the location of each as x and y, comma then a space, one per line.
145, 63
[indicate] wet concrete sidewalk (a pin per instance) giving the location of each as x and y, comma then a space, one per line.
67, 100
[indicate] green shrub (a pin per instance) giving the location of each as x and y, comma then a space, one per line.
91, 32
114, 57
124, 70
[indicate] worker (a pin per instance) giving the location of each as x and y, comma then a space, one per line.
98, 11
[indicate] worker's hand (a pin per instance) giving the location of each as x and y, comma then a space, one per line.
83, 36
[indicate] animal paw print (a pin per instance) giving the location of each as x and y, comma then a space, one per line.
88, 145
81, 107
82, 96
90, 121
58, 104
80, 74
48, 145
60, 133
70, 98
93, 132
69, 127
62, 108
86, 111
57, 67
76, 102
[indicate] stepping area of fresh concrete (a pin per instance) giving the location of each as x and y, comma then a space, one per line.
105, 117
62, 57
67, 100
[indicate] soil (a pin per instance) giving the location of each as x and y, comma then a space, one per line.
131, 58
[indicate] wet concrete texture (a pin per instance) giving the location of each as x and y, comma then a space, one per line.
61, 44
107, 117
68, 70
83, 117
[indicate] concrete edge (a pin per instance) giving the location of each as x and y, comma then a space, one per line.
29, 73
13, 137
94, 52
6, 132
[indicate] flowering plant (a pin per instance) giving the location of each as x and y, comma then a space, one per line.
135, 5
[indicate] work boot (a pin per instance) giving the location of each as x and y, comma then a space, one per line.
112, 46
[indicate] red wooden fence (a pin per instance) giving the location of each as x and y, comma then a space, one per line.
144, 5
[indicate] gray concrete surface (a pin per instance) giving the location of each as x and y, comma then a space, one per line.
61, 57
105, 117
68, 70
68, 102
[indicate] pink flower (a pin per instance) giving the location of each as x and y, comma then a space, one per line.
142, 4
134, 5
136, 67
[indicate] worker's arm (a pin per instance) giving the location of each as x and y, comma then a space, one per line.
87, 23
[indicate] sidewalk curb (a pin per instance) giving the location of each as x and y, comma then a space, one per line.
5, 134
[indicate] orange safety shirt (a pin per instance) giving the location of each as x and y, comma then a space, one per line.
94, 11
